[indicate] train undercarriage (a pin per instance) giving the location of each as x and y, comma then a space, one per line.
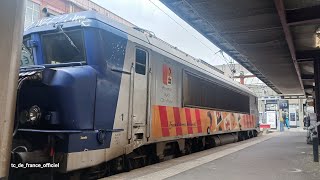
140, 157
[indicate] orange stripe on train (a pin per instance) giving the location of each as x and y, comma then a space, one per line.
173, 121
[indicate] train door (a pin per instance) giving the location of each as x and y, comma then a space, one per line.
140, 94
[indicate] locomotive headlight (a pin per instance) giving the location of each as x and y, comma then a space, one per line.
34, 113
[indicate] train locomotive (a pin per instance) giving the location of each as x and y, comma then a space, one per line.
97, 97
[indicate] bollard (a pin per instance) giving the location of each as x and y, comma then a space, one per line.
315, 141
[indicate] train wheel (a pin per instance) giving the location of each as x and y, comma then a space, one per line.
188, 147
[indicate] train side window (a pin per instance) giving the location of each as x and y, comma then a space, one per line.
201, 92
141, 59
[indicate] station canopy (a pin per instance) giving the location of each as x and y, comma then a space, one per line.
276, 40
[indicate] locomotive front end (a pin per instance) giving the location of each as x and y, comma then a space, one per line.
55, 100
54, 107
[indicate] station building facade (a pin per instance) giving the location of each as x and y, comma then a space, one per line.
268, 100
37, 9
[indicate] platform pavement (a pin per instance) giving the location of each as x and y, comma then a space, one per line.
284, 157
278, 155
292, 129
296, 129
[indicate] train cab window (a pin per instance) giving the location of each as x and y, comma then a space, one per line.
141, 59
63, 47
26, 54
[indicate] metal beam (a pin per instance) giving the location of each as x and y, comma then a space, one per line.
305, 15
308, 55
281, 12
245, 76
316, 66
304, 60
294, 97
308, 87
307, 77
11, 18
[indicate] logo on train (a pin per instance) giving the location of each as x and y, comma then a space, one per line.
166, 75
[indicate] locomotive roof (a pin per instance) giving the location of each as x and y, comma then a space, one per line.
90, 18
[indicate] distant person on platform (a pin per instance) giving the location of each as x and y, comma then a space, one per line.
306, 121
286, 120
282, 119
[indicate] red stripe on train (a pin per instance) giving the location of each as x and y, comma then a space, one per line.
177, 119
189, 122
198, 120
164, 120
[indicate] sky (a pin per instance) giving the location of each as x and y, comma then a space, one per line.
156, 17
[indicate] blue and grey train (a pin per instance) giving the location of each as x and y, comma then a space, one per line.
97, 97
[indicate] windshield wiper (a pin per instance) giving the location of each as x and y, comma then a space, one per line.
69, 39
26, 49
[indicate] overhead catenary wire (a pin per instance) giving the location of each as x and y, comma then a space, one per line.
192, 35
221, 55
232, 69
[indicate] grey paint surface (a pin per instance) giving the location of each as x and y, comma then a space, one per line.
283, 157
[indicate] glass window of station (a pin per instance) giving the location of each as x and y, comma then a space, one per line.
32, 13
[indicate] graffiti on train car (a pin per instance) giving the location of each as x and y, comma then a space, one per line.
175, 121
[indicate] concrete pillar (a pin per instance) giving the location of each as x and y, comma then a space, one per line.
11, 31
301, 112
316, 66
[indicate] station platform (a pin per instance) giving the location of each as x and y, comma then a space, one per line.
273, 156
